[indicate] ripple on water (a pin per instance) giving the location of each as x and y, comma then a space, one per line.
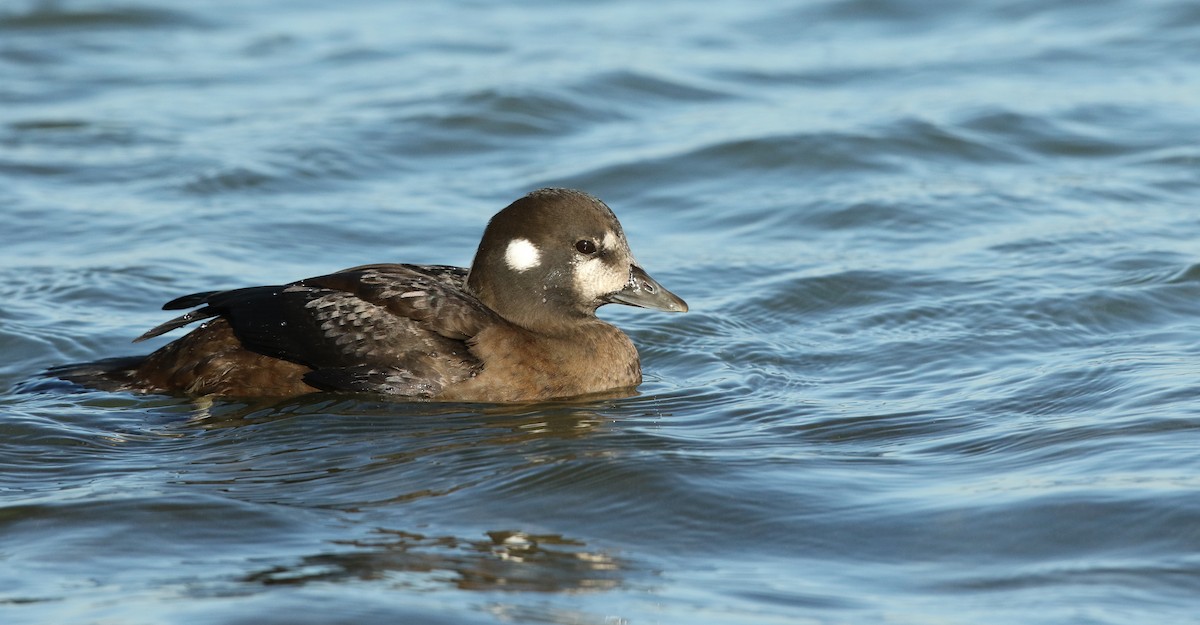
52, 15
1084, 133
492, 118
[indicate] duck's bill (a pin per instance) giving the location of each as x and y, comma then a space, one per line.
646, 292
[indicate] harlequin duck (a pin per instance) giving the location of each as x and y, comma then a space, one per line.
520, 325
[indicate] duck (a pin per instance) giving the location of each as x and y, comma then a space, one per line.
519, 325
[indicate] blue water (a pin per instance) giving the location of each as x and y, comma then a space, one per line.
943, 262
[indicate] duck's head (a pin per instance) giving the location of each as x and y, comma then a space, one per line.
555, 256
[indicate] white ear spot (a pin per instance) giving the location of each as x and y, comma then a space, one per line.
521, 255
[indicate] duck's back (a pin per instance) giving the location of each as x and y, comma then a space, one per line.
396, 329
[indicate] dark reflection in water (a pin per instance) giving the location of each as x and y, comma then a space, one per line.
508, 560
557, 415
360, 455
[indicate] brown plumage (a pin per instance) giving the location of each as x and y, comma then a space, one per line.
519, 326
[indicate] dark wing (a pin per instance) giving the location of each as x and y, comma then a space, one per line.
398, 329
430, 294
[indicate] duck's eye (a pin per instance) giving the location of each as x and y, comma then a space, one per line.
585, 246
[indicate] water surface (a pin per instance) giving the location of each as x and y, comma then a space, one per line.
940, 367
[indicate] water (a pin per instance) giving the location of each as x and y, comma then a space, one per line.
941, 363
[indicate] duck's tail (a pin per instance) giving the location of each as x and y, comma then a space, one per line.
109, 374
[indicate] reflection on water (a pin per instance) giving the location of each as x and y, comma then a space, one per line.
425, 453
508, 560
358, 454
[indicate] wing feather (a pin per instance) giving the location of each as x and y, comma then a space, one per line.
399, 329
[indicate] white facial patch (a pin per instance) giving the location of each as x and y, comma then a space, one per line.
521, 255
610, 241
595, 276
